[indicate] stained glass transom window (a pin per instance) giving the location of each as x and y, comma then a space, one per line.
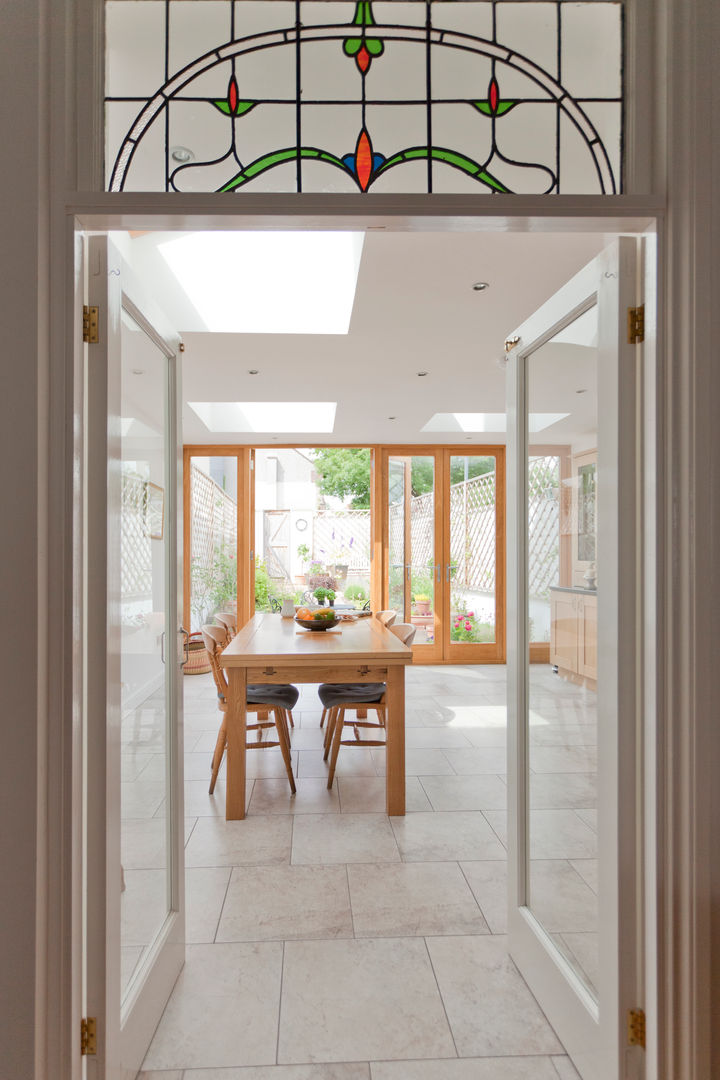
449, 96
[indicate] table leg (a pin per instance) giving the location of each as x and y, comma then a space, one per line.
395, 721
236, 739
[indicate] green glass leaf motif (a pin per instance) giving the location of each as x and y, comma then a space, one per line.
486, 109
450, 157
241, 108
352, 46
363, 14
280, 157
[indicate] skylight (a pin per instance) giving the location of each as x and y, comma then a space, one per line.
473, 422
266, 416
269, 282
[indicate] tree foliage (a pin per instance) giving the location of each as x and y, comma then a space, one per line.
344, 472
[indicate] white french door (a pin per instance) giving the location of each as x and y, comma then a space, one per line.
133, 656
574, 617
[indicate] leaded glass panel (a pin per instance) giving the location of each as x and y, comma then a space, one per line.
479, 96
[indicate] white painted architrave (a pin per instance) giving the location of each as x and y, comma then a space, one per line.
594, 1035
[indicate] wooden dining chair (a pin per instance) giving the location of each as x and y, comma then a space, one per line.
337, 698
387, 618
262, 699
228, 619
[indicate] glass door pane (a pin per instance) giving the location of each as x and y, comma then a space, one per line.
414, 572
471, 568
563, 600
213, 537
145, 638
398, 481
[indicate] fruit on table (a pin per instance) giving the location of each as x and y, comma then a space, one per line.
324, 615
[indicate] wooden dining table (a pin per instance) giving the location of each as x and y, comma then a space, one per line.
273, 649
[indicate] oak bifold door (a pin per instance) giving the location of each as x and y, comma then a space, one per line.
574, 662
134, 649
444, 544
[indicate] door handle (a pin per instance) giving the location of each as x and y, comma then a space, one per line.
186, 646
437, 568
162, 647
408, 569
447, 571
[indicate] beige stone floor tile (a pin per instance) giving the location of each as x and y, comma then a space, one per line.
583, 949
412, 899
445, 837
588, 871
205, 889
141, 798
488, 881
269, 903
490, 1009
565, 1068
326, 839
352, 761
143, 906
477, 760
307, 738
143, 842
480, 792
589, 816
133, 764
223, 1009
563, 759
172, 1074
502, 1068
256, 840
563, 790
338, 997
554, 834
366, 795
428, 762
357, 1070
312, 797
435, 738
563, 734
200, 803
560, 898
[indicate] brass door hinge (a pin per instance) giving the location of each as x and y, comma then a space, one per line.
91, 319
88, 1035
636, 1028
636, 324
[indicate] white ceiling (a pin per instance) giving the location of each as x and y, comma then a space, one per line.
415, 310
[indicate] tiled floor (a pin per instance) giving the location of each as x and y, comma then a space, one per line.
328, 942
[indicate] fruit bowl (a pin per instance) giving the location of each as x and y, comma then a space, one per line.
317, 624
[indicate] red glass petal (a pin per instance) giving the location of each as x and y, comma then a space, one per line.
493, 95
363, 160
232, 95
363, 59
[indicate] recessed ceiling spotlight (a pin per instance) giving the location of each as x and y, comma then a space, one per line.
581, 391
138, 371
253, 371
422, 373
481, 286
181, 154
392, 417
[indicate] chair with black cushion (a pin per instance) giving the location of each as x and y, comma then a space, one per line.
387, 618
337, 698
262, 699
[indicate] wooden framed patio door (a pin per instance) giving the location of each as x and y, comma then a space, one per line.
444, 549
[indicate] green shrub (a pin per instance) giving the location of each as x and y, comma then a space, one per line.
355, 592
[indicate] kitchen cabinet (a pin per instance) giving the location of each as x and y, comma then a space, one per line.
573, 633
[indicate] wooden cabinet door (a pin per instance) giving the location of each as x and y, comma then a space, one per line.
587, 637
563, 631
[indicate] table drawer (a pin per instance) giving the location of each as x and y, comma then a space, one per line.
316, 673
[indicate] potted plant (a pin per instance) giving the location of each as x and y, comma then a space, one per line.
422, 604
304, 556
322, 594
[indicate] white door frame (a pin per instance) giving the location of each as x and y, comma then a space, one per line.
591, 1034
673, 127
